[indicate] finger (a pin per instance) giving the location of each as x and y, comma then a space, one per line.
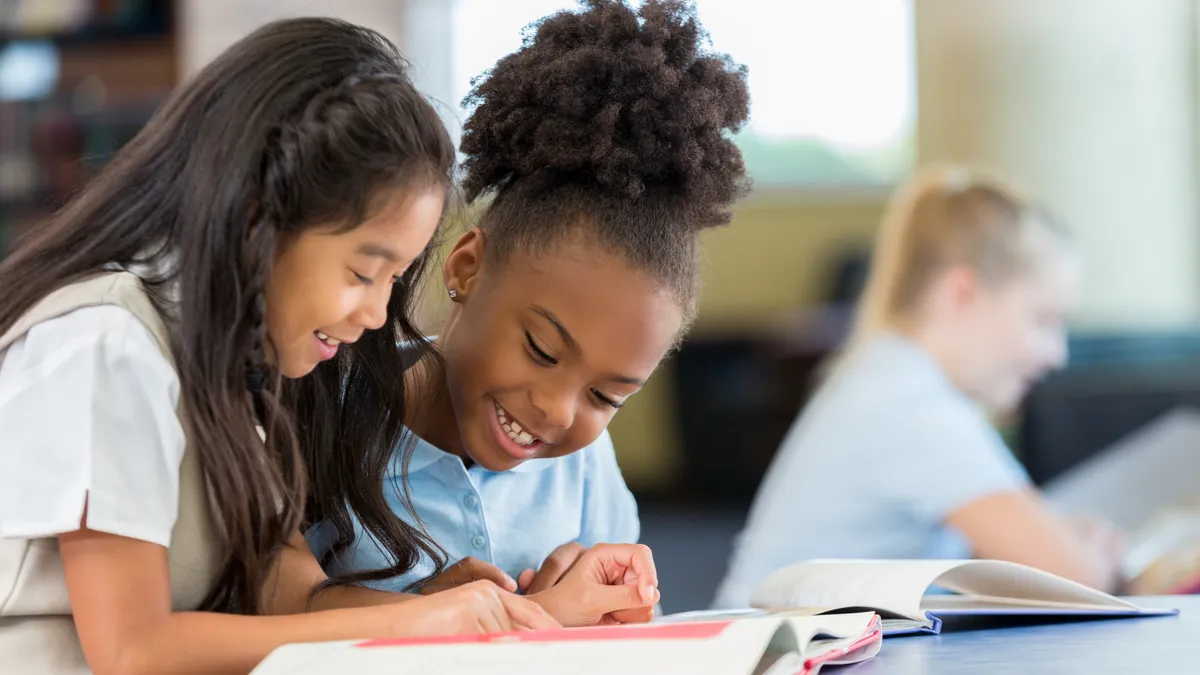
524, 579
556, 566
647, 573
486, 605
615, 600
527, 614
636, 615
477, 570
636, 558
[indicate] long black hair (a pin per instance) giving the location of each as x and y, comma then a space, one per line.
302, 123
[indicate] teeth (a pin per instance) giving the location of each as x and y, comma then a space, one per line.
327, 340
512, 429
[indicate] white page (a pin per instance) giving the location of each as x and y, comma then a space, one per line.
831, 626
899, 586
1154, 468
575, 658
737, 649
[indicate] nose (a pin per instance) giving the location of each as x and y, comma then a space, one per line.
371, 313
555, 405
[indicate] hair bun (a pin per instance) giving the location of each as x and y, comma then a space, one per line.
627, 102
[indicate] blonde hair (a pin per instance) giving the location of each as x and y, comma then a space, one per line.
946, 216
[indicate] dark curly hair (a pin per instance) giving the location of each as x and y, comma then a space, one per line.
612, 122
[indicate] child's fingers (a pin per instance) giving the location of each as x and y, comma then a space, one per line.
478, 570
632, 557
625, 600
467, 570
556, 566
527, 614
635, 615
525, 579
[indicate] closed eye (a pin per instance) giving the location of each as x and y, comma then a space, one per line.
539, 355
365, 281
606, 400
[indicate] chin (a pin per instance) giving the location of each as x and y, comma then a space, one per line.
483, 452
1007, 402
293, 370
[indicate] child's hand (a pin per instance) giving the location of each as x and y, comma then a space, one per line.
609, 584
476, 607
464, 572
555, 567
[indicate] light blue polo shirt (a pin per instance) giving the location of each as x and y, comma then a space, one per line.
512, 519
883, 453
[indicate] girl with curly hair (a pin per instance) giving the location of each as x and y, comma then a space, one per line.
216, 312
598, 152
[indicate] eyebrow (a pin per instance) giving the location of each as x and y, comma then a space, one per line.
574, 346
378, 251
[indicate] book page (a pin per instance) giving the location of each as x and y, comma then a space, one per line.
1013, 585
893, 587
1137, 477
524, 659
898, 586
707, 649
730, 648
829, 627
710, 615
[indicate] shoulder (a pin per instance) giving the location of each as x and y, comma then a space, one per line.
104, 333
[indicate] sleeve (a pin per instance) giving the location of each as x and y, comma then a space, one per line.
954, 458
610, 513
88, 414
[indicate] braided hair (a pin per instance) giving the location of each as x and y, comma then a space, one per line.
303, 123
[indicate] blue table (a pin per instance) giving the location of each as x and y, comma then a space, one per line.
1129, 646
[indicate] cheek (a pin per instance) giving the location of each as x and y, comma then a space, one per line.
590, 422
300, 309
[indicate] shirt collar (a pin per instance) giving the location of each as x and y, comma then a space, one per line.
426, 454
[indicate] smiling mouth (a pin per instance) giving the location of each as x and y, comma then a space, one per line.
513, 429
332, 342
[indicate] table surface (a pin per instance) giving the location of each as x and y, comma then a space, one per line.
1138, 645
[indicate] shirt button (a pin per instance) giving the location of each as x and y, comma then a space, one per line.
478, 541
471, 501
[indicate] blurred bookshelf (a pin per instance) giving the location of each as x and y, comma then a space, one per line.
78, 79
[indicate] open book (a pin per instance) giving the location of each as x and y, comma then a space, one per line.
1145, 484
899, 591
759, 646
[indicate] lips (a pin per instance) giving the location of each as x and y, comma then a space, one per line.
513, 438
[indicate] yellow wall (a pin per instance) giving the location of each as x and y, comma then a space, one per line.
776, 256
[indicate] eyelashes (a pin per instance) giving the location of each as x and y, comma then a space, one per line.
541, 358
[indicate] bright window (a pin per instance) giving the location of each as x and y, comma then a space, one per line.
832, 82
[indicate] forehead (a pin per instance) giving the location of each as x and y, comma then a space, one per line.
622, 320
1051, 282
404, 218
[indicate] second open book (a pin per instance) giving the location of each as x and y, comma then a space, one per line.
899, 590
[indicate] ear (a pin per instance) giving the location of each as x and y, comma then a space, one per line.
958, 288
464, 264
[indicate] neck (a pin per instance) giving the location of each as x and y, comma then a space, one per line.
936, 340
432, 415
